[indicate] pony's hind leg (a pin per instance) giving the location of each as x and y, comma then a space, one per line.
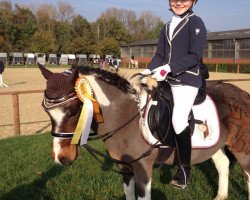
248, 183
221, 162
244, 161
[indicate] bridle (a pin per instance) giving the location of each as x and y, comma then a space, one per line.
49, 103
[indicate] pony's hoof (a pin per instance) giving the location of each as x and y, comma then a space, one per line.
221, 197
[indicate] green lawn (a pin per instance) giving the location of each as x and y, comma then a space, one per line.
28, 172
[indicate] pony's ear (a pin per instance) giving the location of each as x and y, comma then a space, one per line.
46, 73
74, 75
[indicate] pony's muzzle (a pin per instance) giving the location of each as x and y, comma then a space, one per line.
65, 161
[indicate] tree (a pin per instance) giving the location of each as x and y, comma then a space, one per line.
146, 26
46, 17
25, 25
44, 42
109, 45
63, 35
127, 17
112, 28
7, 28
80, 45
65, 11
154, 33
81, 27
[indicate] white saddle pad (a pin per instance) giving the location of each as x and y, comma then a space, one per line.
205, 135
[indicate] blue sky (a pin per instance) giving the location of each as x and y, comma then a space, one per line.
218, 15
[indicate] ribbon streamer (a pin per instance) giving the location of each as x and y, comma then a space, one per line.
90, 108
84, 124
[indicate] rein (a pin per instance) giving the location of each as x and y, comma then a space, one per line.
95, 153
110, 133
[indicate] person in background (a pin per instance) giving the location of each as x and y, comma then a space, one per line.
1, 76
102, 62
115, 63
179, 51
132, 57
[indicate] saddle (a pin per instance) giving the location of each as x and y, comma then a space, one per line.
160, 114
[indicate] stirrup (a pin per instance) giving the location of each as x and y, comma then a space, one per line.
181, 179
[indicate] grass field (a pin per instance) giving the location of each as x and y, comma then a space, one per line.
27, 172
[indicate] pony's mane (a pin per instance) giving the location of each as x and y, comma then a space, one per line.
109, 77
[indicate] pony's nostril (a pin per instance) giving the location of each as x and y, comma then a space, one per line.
65, 161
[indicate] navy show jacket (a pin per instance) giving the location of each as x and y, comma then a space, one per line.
183, 53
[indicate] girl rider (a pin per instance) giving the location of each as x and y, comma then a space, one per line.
178, 54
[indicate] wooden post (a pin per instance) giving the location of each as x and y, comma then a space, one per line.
216, 70
238, 68
16, 114
15, 103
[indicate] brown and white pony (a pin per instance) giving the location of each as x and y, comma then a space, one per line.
133, 64
119, 107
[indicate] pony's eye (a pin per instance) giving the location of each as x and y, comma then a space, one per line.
73, 113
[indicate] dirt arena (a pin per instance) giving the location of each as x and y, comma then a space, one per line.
33, 119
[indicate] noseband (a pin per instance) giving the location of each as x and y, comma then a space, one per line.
63, 135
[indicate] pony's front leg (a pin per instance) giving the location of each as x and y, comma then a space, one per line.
144, 193
221, 162
129, 186
143, 176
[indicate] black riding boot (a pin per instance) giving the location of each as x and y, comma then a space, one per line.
183, 154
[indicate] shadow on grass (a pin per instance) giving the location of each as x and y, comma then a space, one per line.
155, 195
35, 190
209, 170
165, 173
211, 174
108, 164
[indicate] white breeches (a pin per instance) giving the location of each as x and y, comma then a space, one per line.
183, 97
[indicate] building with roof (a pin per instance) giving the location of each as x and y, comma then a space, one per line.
221, 47
3, 58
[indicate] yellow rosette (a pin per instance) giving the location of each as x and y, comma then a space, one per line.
90, 108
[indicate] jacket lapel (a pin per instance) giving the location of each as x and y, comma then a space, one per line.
181, 24
167, 32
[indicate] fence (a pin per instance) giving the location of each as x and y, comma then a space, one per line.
15, 104
213, 66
